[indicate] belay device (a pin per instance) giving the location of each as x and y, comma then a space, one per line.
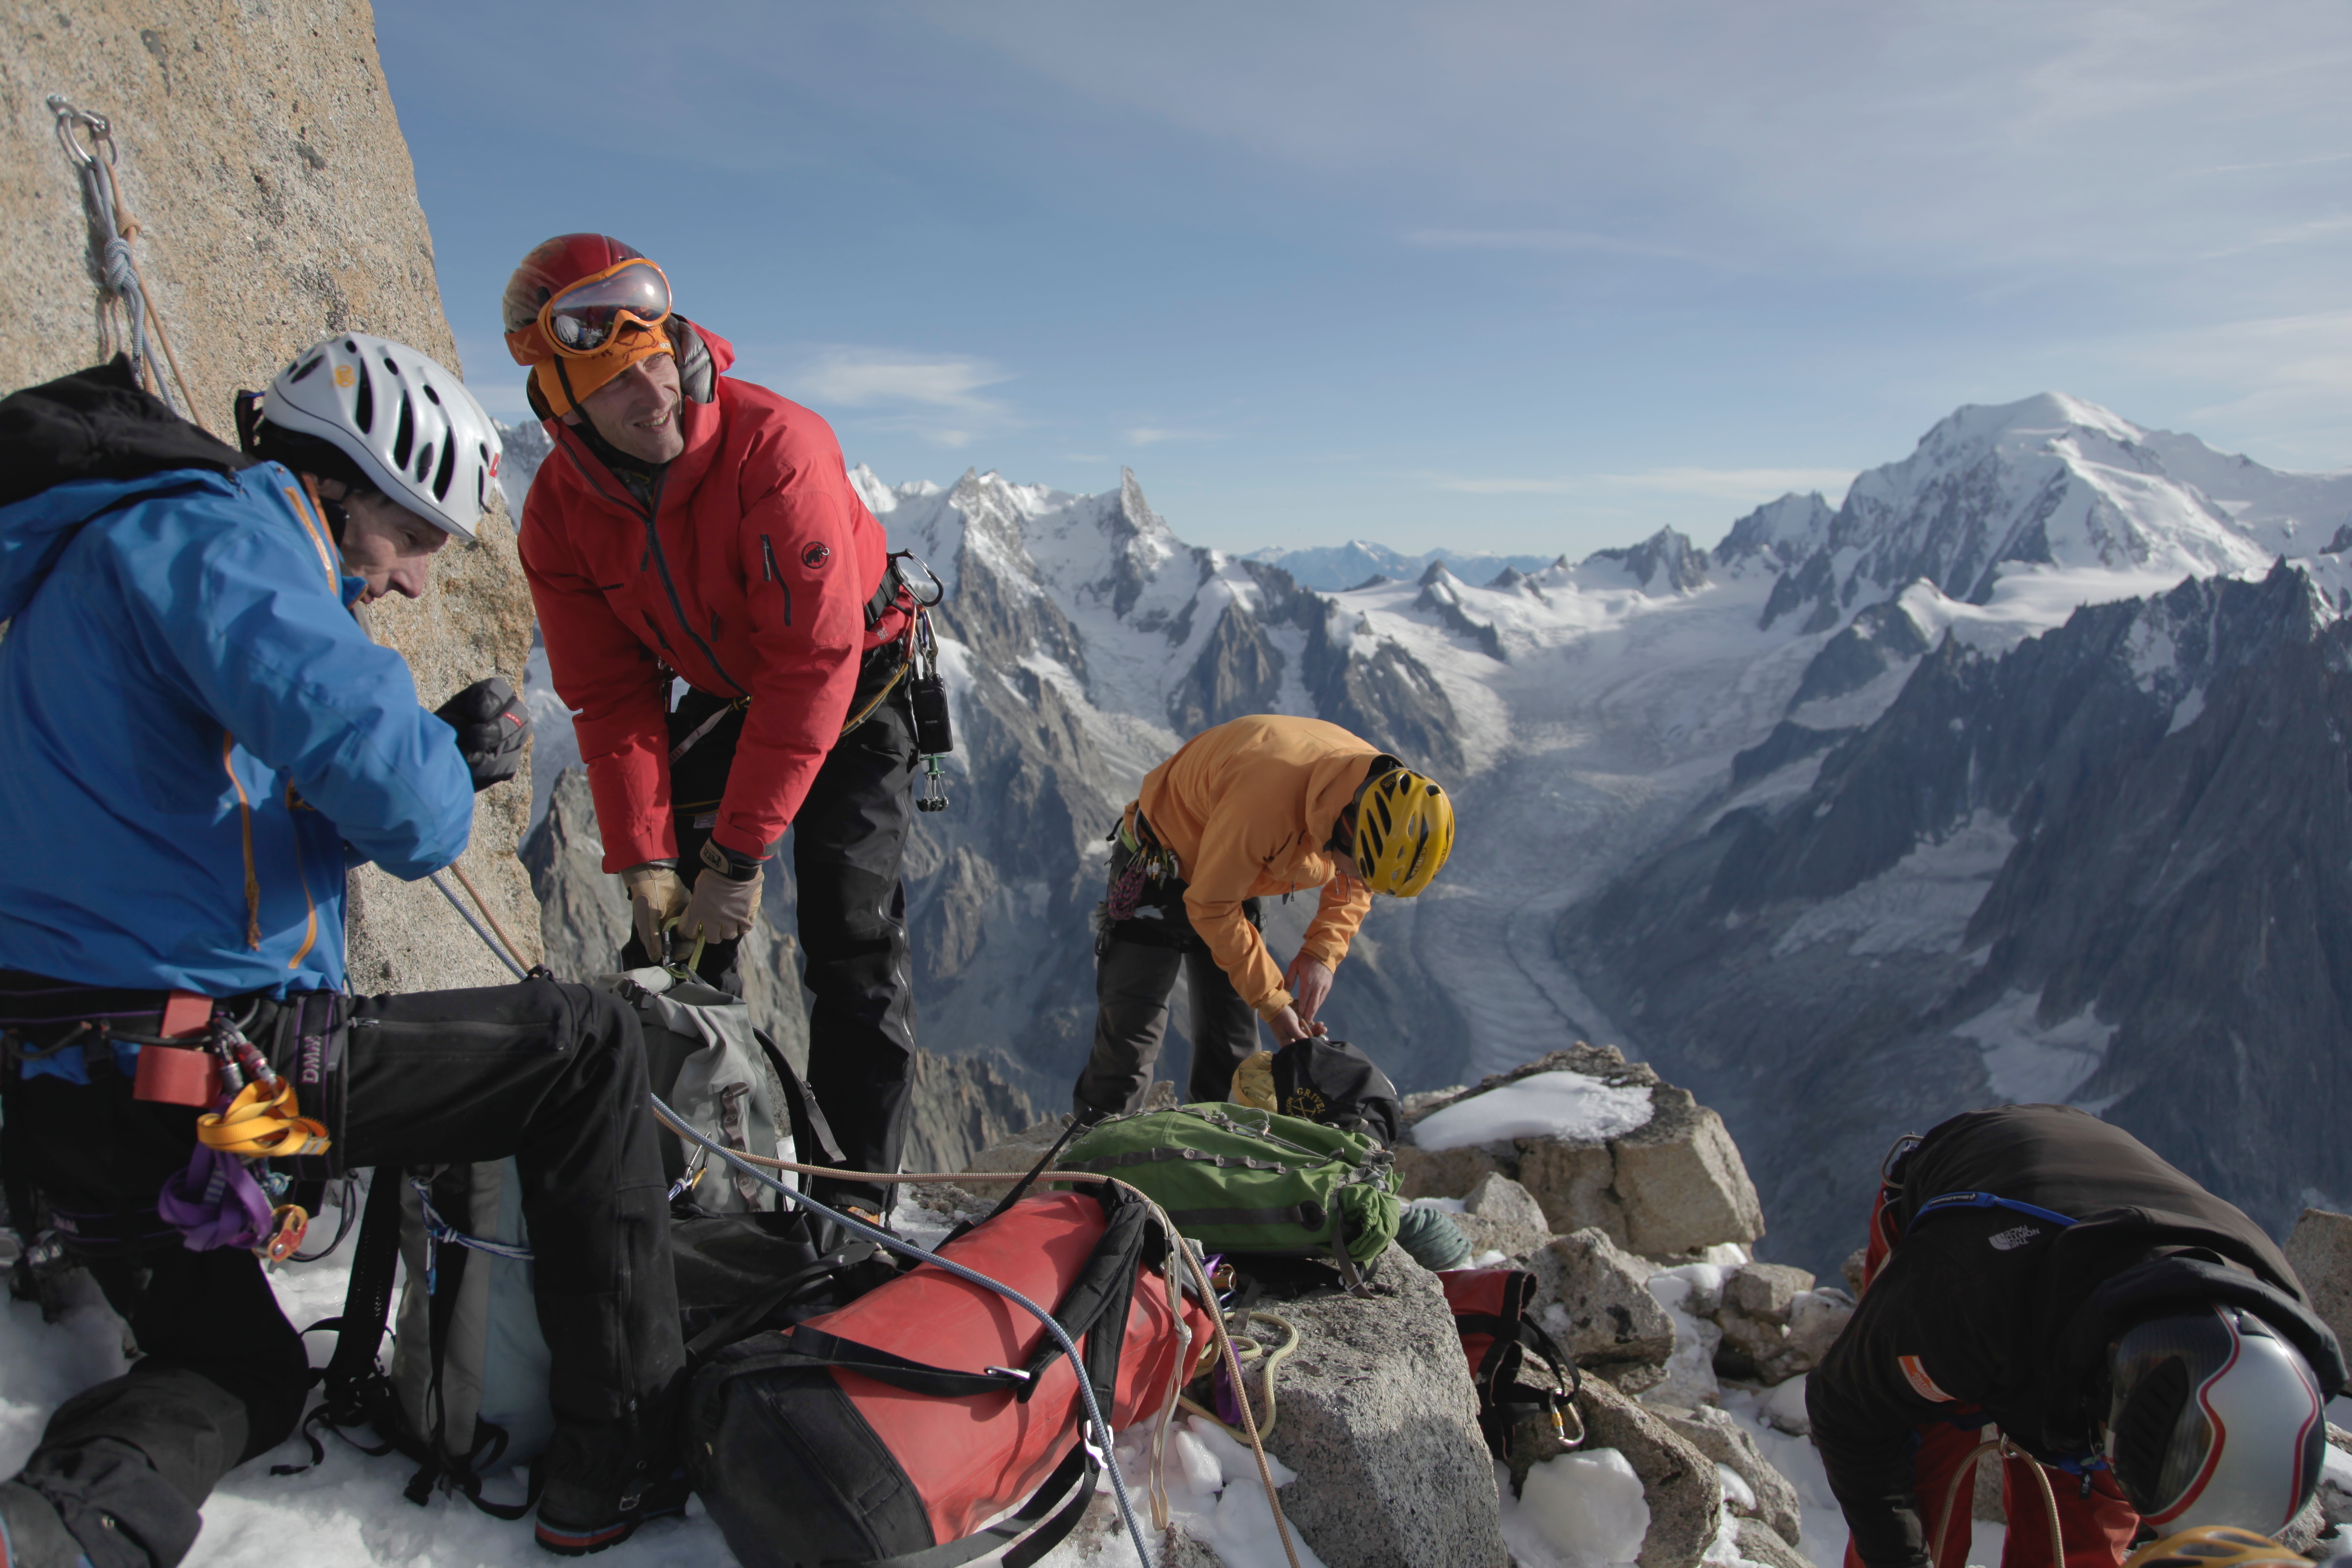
934, 731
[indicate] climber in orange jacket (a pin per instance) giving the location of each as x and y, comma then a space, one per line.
1258, 806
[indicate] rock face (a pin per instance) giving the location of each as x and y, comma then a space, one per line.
1500, 1215
1715, 1434
1378, 1418
261, 157
2086, 870
1594, 1299
2320, 1250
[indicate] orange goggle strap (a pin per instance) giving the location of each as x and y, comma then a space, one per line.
256, 1128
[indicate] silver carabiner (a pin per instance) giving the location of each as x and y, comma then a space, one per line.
98, 128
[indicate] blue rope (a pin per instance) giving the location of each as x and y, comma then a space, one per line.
439, 1231
907, 1249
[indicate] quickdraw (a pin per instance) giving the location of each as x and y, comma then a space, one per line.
439, 1232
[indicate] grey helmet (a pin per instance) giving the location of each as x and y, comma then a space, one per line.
410, 424
2213, 1418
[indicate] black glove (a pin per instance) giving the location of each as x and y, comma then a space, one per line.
493, 728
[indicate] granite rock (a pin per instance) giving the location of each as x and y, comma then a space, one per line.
1594, 1298
1680, 1482
1379, 1419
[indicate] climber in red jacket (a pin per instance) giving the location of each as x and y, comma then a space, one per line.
692, 527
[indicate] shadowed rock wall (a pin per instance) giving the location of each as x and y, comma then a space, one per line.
262, 157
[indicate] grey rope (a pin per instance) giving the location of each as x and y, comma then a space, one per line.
497, 952
907, 1249
119, 276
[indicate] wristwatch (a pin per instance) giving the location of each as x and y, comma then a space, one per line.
732, 864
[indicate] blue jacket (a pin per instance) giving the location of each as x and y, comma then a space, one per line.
197, 738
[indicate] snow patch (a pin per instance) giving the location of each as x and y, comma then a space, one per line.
1581, 1509
1564, 1105
1920, 904
2027, 1062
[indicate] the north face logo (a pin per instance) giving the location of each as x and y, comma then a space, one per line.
2010, 1240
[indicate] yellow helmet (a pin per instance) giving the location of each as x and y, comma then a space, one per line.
1404, 831
2213, 1546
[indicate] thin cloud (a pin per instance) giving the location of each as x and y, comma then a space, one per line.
935, 396
1734, 484
1718, 484
1559, 241
1151, 436
862, 378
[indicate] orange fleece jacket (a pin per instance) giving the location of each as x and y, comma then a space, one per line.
1246, 808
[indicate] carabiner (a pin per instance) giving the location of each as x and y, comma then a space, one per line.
99, 129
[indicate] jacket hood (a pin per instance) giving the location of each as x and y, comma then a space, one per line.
1331, 786
74, 446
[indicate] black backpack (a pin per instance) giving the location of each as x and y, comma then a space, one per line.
1332, 1082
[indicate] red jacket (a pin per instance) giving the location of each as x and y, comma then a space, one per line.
751, 581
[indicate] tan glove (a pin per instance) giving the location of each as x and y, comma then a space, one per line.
656, 897
721, 908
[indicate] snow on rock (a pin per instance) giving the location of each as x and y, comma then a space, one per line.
2028, 1062
1688, 1293
1757, 1411
1214, 1496
1581, 1509
1569, 1106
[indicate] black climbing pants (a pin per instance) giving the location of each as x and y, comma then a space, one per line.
847, 843
552, 1075
1136, 964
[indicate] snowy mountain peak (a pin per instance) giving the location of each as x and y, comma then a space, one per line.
1782, 532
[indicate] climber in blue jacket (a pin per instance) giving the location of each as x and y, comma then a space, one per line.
201, 738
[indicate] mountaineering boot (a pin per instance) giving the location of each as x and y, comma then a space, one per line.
31, 1533
571, 1524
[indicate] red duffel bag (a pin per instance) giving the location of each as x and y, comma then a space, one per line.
890, 1432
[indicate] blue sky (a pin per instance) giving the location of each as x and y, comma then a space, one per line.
1494, 276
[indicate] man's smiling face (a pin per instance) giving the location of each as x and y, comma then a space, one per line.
637, 410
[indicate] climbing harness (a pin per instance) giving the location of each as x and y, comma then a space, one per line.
1153, 863
113, 228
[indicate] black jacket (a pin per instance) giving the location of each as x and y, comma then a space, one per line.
2012, 1315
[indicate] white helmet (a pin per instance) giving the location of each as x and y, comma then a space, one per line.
412, 428
2213, 1418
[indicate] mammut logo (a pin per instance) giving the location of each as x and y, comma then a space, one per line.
817, 555
2011, 1239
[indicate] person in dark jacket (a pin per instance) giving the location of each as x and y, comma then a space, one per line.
201, 738
692, 527
2141, 1342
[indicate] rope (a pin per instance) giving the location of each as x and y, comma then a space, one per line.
1967, 1471
115, 228
487, 940
484, 904
1267, 1361
667, 1117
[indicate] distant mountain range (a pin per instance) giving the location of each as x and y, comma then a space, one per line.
1852, 821
1331, 567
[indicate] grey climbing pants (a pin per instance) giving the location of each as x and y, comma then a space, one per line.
1136, 965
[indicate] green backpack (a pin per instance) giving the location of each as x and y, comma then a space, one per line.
1240, 1180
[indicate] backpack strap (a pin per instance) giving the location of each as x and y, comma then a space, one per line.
1072, 1479
812, 1137
1946, 1201
357, 1394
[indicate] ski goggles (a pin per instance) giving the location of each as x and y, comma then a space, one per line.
584, 318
